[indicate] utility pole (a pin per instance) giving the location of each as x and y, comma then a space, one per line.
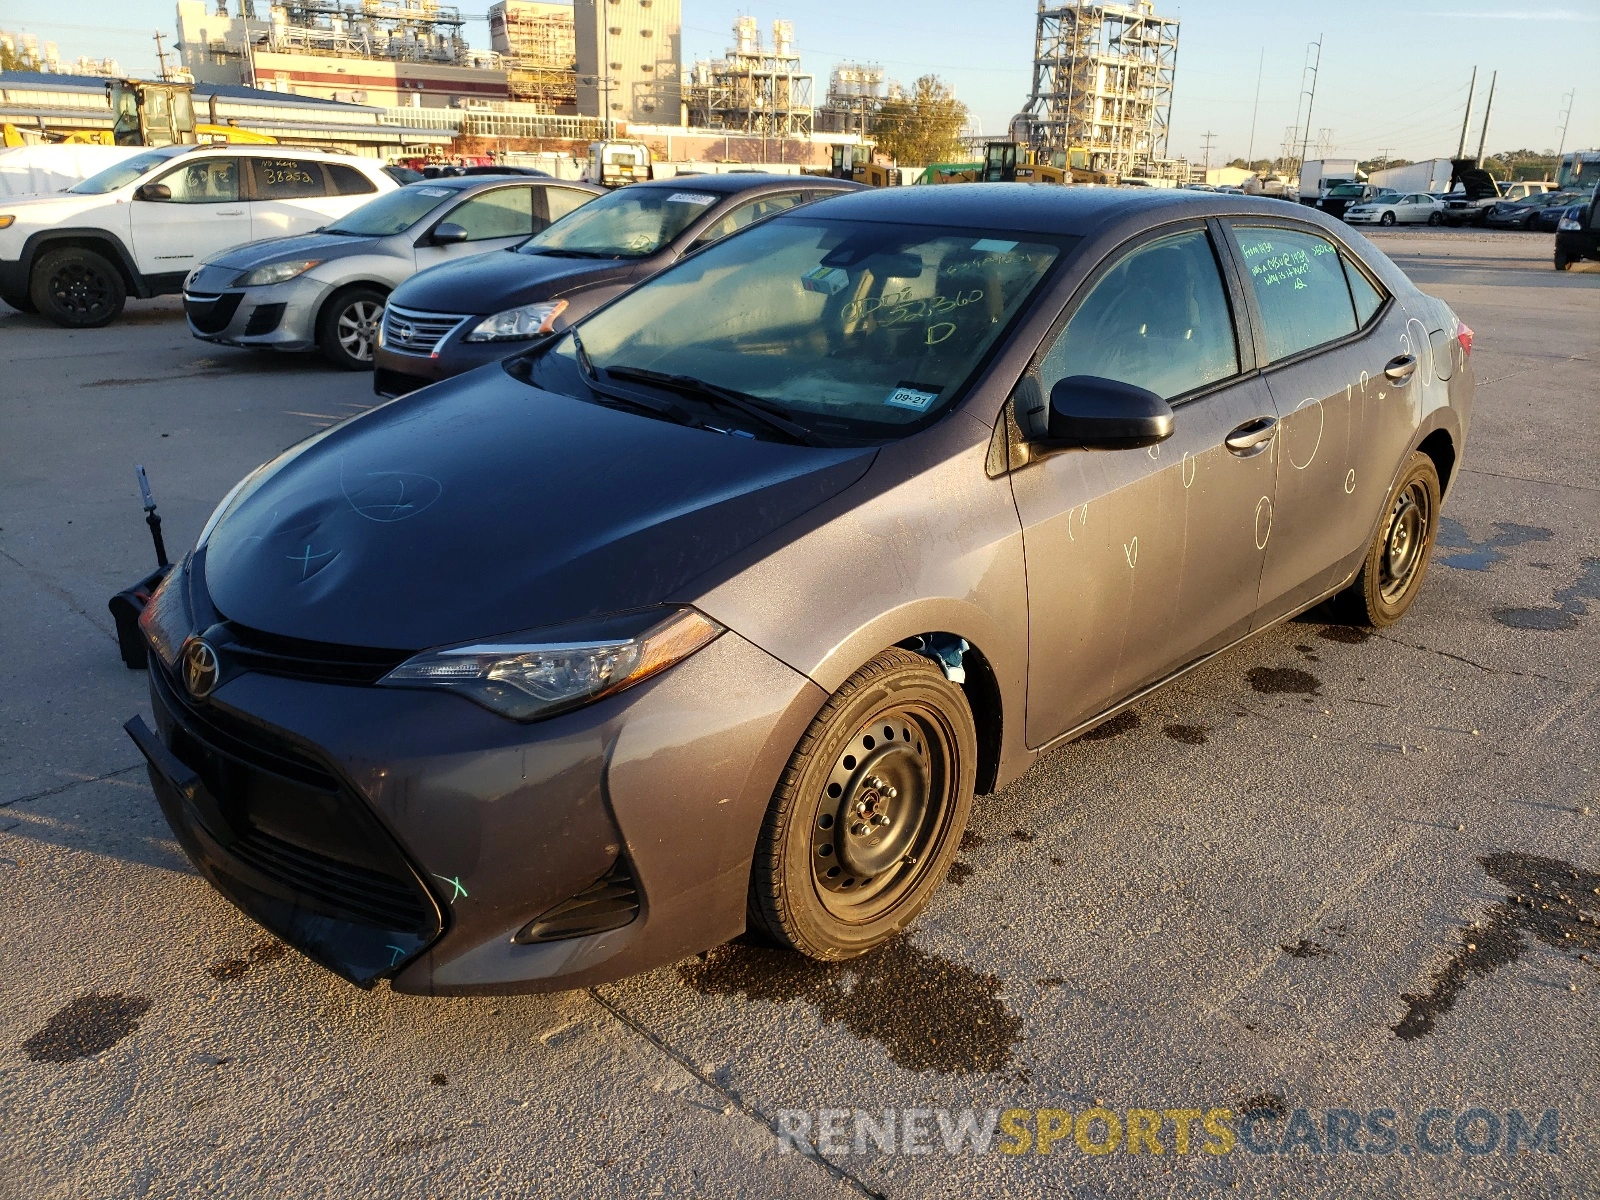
1249, 155
1209, 137
1316, 68
161, 55
1466, 117
1488, 107
1566, 119
1383, 157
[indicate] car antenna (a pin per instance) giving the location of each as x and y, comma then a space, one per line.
151, 517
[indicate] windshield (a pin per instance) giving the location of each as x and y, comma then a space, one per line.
854, 330
126, 171
1346, 189
394, 212
630, 223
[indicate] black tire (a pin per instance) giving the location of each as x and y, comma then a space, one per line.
347, 327
22, 303
1435, 219
77, 288
1562, 261
893, 750
1398, 558
1386, 219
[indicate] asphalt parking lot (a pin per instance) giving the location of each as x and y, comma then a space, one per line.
1332, 872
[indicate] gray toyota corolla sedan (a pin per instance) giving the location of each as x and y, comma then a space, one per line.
717, 609
326, 290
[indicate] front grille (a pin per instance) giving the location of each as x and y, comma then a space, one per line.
252, 650
370, 896
610, 902
211, 314
264, 319
413, 332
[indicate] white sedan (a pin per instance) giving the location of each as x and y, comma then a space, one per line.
1417, 208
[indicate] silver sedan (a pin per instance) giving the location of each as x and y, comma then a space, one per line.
326, 290
1414, 208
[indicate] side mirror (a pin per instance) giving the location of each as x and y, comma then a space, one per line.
448, 234
153, 191
1101, 414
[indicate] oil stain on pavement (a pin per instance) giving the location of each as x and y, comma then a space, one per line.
87, 1026
1189, 735
1349, 635
1556, 902
1570, 604
928, 1013
1122, 723
1280, 681
267, 951
1471, 555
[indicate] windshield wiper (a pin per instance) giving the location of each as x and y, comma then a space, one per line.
660, 408
756, 409
562, 252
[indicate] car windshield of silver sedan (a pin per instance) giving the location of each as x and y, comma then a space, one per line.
394, 212
1344, 190
848, 330
629, 223
126, 171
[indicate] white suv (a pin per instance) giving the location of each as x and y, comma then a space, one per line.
140, 226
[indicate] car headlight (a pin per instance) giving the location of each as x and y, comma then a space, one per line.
515, 324
528, 681
1569, 224
275, 273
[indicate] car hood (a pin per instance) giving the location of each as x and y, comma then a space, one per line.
483, 506
304, 245
38, 207
487, 283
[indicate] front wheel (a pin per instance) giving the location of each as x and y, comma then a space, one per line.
347, 328
77, 288
1562, 261
1386, 219
1398, 558
869, 813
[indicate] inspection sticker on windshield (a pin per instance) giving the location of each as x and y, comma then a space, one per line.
910, 397
433, 191
830, 281
993, 246
690, 198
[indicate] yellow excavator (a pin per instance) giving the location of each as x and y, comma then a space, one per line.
1007, 162
148, 112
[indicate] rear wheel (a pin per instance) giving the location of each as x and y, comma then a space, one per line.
1386, 219
869, 813
347, 328
77, 288
1435, 219
1398, 558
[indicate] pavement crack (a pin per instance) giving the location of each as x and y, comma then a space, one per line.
1581, 487
734, 1098
67, 787
1469, 662
59, 593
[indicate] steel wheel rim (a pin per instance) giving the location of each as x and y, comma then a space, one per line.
882, 812
78, 289
1405, 542
358, 329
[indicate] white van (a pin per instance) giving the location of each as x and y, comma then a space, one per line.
139, 227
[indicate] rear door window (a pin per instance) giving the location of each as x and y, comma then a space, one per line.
1158, 319
502, 213
1300, 288
287, 178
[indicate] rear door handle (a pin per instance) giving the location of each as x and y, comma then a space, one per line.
230, 212
1400, 369
1252, 437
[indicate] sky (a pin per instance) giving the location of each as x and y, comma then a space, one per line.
1393, 77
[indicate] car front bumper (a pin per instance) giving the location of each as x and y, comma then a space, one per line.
1361, 218
411, 834
398, 369
281, 316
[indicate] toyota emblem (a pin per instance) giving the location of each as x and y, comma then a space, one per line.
201, 670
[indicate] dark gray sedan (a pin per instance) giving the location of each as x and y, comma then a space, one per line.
717, 609
326, 290
463, 315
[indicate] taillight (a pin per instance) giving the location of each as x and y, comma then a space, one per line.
1464, 336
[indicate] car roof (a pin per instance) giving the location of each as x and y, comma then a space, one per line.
732, 184
255, 150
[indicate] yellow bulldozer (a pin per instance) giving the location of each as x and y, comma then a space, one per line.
146, 112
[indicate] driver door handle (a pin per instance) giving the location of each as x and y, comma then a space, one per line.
230, 212
1252, 437
1400, 369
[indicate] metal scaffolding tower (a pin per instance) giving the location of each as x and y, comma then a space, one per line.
754, 90
537, 45
1102, 82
